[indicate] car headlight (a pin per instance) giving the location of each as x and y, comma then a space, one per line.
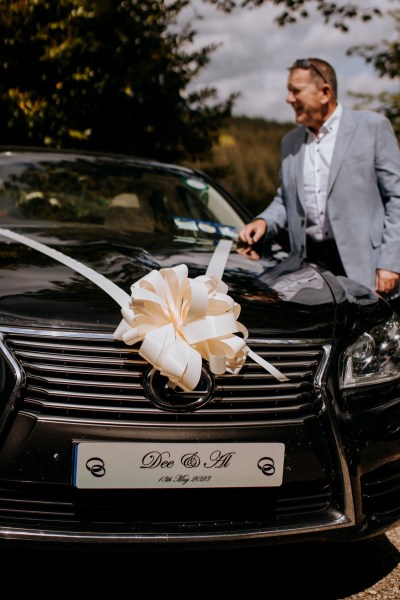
374, 357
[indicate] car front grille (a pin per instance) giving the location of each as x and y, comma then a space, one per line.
89, 377
381, 490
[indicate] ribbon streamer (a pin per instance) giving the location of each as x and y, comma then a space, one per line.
179, 320
102, 282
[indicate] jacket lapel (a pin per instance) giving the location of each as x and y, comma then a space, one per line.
344, 135
299, 150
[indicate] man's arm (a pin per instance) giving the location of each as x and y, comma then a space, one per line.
387, 166
267, 223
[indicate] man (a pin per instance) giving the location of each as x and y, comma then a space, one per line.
340, 185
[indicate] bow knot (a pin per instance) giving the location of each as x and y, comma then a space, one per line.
182, 320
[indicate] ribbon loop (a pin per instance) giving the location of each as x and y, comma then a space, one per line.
184, 320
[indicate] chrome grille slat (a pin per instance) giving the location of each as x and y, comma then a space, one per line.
83, 395
34, 368
98, 395
93, 376
264, 376
31, 367
63, 358
123, 409
68, 347
264, 387
295, 353
54, 381
277, 399
99, 346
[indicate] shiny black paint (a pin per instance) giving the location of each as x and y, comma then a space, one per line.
38, 289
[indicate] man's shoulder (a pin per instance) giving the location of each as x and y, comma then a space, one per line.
364, 116
295, 135
298, 130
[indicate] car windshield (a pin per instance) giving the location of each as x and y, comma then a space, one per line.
115, 194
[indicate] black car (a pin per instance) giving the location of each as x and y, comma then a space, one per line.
100, 446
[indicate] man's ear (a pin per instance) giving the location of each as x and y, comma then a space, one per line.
326, 93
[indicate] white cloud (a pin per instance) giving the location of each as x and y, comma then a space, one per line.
255, 52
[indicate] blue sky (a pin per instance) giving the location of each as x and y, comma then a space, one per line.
254, 53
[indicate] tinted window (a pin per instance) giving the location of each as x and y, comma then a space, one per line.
115, 195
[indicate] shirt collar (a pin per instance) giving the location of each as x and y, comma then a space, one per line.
331, 124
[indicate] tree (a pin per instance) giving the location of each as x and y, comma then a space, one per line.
337, 12
385, 58
105, 75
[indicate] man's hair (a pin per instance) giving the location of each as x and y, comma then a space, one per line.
319, 69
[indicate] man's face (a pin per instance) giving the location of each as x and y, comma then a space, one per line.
307, 98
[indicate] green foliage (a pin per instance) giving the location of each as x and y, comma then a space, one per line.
246, 160
385, 59
337, 13
104, 75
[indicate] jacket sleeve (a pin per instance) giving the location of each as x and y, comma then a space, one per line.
387, 168
275, 215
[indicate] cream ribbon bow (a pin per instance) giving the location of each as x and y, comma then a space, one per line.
182, 320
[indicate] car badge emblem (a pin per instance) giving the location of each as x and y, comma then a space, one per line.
176, 400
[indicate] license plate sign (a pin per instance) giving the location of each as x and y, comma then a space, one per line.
131, 465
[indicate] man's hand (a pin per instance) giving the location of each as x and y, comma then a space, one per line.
252, 232
250, 235
386, 281
247, 251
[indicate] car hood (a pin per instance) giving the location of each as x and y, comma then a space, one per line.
276, 297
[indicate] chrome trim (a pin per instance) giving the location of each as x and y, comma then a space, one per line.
158, 424
155, 538
56, 333
174, 401
355, 386
78, 382
109, 336
9, 404
74, 358
95, 371
320, 380
150, 411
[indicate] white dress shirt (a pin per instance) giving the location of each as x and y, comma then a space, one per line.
317, 161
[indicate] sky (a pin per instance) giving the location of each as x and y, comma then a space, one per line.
254, 54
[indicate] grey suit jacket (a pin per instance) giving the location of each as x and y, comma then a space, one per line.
363, 195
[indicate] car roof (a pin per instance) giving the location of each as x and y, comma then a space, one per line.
35, 153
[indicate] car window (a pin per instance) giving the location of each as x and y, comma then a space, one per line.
115, 195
